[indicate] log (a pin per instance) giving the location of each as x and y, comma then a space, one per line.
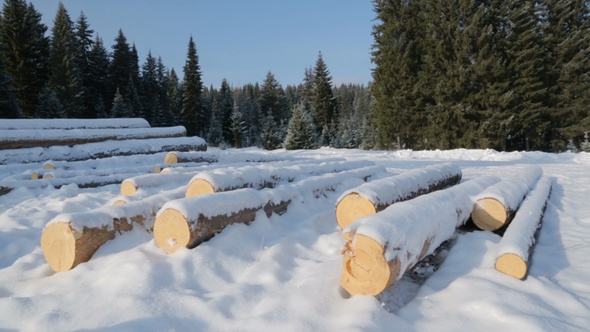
107, 123
225, 156
101, 150
382, 246
72, 238
372, 197
118, 162
85, 181
189, 221
263, 176
131, 185
495, 207
519, 239
19, 139
175, 157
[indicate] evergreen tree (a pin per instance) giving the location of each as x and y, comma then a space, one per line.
49, 105
301, 132
120, 107
215, 132
120, 65
84, 45
150, 90
223, 108
66, 79
26, 52
270, 135
174, 96
98, 83
9, 108
272, 99
166, 117
324, 103
193, 114
237, 128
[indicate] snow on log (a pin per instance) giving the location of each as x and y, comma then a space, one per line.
382, 246
130, 186
229, 155
72, 238
120, 162
519, 239
107, 123
262, 176
372, 197
175, 157
189, 221
19, 139
83, 181
101, 150
496, 206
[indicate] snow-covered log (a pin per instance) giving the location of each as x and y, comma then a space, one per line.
82, 181
130, 186
496, 206
189, 221
382, 246
19, 139
225, 156
101, 150
519, 239
120, 162
372, 197
72, 238
107, 123
175, 157
262, 176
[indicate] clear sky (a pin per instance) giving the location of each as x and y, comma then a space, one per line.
240, 40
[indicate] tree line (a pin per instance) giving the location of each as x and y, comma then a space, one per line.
502, 74
71, 74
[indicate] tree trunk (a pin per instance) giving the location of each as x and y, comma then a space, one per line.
375, 196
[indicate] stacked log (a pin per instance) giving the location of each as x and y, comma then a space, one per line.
382, 246
72, 238
519, 239
175, 157
495, 207
258, 177
372, 197
131, 185
106, 123
189, 221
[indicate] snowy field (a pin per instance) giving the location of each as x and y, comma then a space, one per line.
281, 273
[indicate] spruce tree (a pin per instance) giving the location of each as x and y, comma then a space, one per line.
272, 99
120, 107
215, 132
26, 52
324, 103
301, 131
223, 108
120, 65
84, 44
150, 90
9, 108
98, 82
270, 134
238, 127
49, 105
173, 91
66, 79
193, 114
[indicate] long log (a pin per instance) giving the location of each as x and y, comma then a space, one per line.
372, 197
263, 176
162, 181
19, 139
519, 239
228, 155
495, 207
72, 238
382, 246
107, 123
120, 162
101, 150
189, 221
84, 181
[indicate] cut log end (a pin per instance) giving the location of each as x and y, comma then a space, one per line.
489, 214
157, 169
128, 188
59, 246
199, 187
171, 231
352, 207
171, 158
35, 176
512, 265
119, 202
365, 270
48, 176
49, 166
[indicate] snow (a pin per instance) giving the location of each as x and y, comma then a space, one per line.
514, 187
24, 124
282, 272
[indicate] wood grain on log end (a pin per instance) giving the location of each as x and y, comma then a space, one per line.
35, 176
48, 176
171, 158
199, 187
512, 265
157, 169
352, 207
365, 270
58, 243
48, 166
489, 214
128, 188
171, 231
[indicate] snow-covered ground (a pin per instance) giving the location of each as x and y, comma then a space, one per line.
281, 273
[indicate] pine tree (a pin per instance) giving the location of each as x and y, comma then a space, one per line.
223, 108
120, 65
324, 103
120, 107
301, 132
26, 52
150, 90
9, 108
193, 114
237, 128
272, 99
270, 134
84, 45
174, 96
65, 78
215, 132
98, 83
49, 105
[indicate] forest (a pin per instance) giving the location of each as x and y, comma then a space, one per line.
506, 75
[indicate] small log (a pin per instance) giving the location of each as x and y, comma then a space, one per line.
175, 157
72, 238
263, 176
382, 246
189, 221
519, 239
130, 186
106, 123
495, 207
372, 197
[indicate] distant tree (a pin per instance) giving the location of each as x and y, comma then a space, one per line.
174, 94
120, 107
26, 52
193, 114
272, 99
9, 108
238, 127
98, 82
66, 79
84, 44
301, 132
324, 103
215, 132
49, 105
270, 134
150, 90
223, 107
120, 65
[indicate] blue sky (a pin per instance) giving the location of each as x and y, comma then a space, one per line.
240, 40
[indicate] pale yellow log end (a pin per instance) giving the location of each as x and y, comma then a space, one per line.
171, 231
199, 187
171, 158
128, 188
59, 246
352, 207
489, 214
512, 265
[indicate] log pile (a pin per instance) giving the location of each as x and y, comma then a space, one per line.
375, 196
382, 246
519, 239
43, 124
